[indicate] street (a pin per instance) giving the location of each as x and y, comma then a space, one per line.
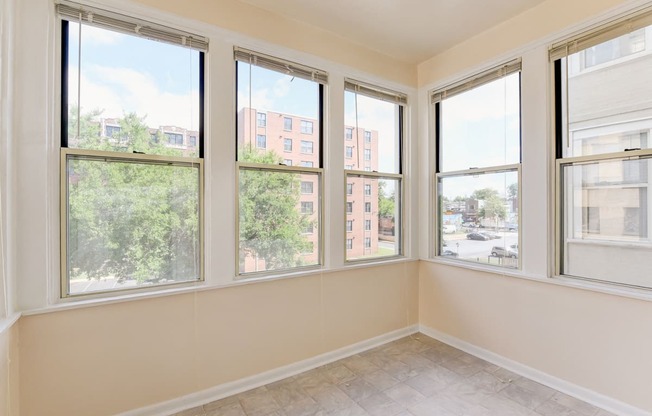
477, 250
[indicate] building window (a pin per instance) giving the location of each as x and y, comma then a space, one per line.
306, 147
306, 207
604, 157
349, 244
349, 189
348, 167
274, 217
261, 119
306, 127
349, 226
124, 192
348, 133
484, 116
192, 141
306, 187
381, 190
175, 139
261, 141
349, 207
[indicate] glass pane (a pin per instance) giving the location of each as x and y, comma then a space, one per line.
131, 224
479, 218
290, 107
131, 94
482, 127
609, 105
605, 221
373, 218
371, 134
279, 220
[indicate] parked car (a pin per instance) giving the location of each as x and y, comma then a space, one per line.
491, 235
477, 236
449, 229
500, 251
448, 253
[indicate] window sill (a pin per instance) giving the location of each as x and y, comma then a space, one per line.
604, 288
203, 286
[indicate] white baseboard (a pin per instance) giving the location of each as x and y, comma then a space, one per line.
600, 400
228, 389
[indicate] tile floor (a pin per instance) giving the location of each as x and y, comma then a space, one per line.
413, 376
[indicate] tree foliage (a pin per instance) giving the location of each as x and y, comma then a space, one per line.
386, 204
271, 224
130, 220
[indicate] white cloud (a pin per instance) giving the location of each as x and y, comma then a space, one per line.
93, 36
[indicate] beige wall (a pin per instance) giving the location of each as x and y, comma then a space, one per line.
530, 26
9, 371
107, 359
258, 23
597, 341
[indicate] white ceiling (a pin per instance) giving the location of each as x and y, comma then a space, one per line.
409, 30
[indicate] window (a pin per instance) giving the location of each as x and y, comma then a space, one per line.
306, 207
348, 133
478, 133
349, 189
349, 226
604, 155
348, 167
349, 207
261, 119
374, 109
125, 192
349, 244
306, 127
261, 141
192, 141
306, 187
278, 203
306, 146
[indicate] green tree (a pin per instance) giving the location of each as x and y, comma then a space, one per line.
386, 204
130, 220
512, 190
484, 194
271, 225
493, 208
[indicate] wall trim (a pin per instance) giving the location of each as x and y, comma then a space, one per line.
7, 323
238, 386
597, 399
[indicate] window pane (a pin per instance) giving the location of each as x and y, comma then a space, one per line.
481, 127
274, 217
131, 224
605, 221
374, 218
609, 103
374, 127
134, 95
283, 101
479, 218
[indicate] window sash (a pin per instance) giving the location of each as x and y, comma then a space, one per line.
129, 25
